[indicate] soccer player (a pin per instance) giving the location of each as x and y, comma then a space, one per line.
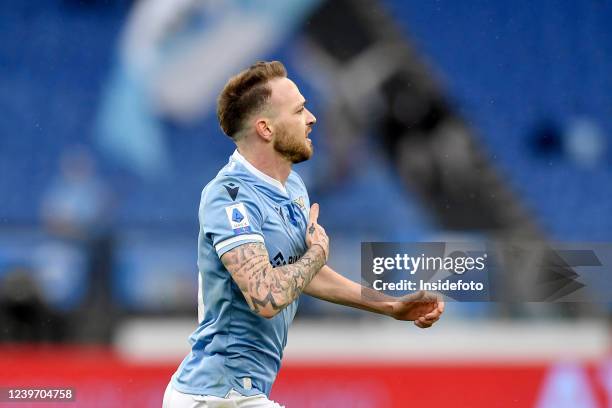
260, 246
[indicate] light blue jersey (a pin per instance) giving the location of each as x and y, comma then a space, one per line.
233, 347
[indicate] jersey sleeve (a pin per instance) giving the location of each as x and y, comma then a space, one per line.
230, 215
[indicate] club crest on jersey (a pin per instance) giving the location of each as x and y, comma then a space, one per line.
238, 218
300, 203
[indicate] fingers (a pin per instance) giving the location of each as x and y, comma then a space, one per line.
314, 214
322, 240
432, 315
422, 325
430, 318
315, 233
436, 312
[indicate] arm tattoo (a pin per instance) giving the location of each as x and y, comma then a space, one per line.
263, 285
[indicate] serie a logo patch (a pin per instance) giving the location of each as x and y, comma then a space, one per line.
238, 218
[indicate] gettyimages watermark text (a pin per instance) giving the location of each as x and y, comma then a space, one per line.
529, 271
413, 264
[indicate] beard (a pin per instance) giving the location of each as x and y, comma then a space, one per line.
292, 147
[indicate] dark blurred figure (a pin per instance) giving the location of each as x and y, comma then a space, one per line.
24, 314
77, 208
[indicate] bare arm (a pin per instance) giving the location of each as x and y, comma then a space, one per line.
423, 308
268, 290
329, 285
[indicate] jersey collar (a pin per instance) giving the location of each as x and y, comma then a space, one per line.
257, 173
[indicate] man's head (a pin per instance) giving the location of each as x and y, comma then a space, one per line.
261, 105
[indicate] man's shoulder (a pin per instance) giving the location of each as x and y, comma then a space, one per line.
229, 185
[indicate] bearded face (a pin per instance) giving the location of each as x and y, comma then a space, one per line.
293, 145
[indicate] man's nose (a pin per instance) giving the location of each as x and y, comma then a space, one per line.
311, 118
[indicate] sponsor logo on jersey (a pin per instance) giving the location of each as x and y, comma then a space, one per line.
238, 218
279, 260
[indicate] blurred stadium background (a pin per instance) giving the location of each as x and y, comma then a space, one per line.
436, 120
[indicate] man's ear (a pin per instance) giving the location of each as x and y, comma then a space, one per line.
263, 129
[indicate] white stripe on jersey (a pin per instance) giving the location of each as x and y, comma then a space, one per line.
229, 241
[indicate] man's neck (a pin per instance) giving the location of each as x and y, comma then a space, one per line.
269, 163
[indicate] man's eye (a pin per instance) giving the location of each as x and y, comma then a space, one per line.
300, 110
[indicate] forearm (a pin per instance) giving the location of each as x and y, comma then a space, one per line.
289, 281
329, 285
268, 290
